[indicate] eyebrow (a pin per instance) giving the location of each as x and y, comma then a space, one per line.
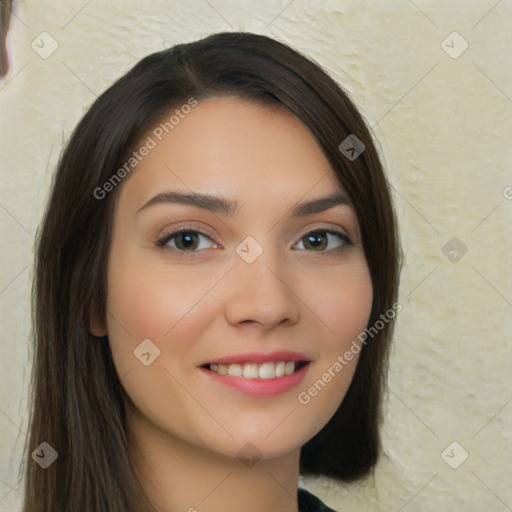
219, 204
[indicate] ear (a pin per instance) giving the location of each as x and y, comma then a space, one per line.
97, 327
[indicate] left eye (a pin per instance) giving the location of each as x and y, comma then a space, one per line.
186, 240
314, 239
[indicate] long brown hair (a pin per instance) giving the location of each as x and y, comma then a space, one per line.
76, 395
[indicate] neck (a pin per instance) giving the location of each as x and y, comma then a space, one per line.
179, 476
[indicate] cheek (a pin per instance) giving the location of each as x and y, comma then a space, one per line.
150, 298
344, 305
156, 302
344, 309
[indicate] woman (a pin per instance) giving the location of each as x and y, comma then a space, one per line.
215, 288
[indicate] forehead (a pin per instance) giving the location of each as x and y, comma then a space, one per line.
234, 147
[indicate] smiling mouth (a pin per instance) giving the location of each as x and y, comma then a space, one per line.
267, 370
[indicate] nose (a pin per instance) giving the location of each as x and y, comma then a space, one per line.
261, 293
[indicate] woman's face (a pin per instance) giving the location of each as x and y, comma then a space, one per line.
257, 287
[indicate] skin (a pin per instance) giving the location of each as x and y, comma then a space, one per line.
186, 429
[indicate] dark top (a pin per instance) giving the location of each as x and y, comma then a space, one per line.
310, 503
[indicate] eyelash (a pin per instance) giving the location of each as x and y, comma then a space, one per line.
167, 237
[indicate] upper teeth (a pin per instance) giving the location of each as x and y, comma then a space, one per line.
255, 371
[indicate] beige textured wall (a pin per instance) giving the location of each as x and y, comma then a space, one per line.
443, 119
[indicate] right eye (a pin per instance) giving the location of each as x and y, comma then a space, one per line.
183, 240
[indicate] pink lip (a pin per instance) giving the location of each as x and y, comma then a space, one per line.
259, 358
260, 387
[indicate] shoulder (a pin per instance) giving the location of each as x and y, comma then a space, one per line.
310, 503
